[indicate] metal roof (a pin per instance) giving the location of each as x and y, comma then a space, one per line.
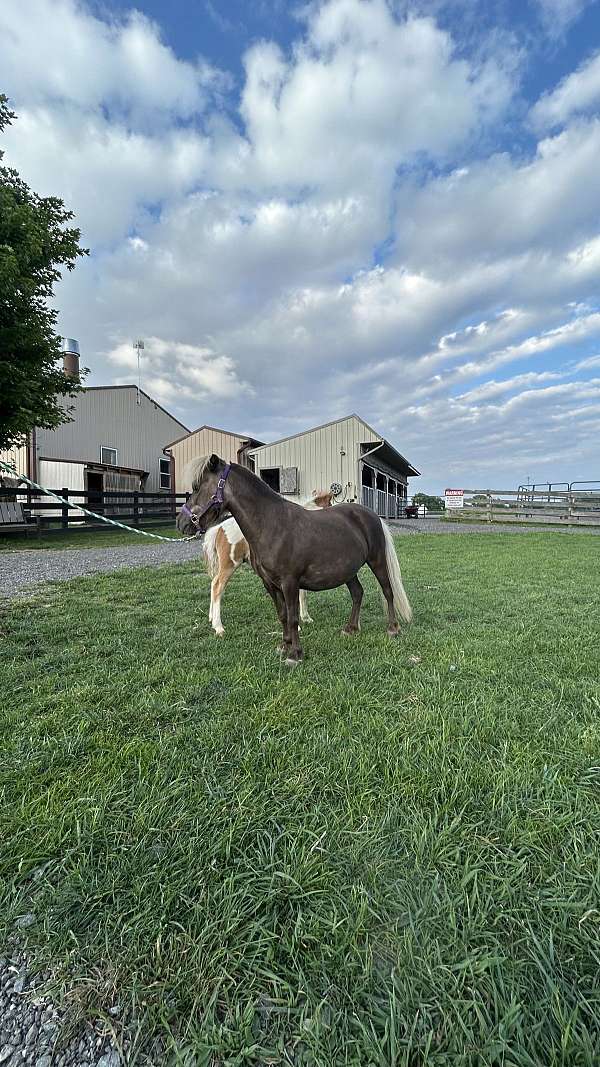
376, 438
216, 429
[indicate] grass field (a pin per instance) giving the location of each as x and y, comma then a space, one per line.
387, 856
85, 538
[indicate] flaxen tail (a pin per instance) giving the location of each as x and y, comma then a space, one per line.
209, 548
401, 604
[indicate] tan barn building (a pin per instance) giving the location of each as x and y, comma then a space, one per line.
114, 441
346, 452
232, 447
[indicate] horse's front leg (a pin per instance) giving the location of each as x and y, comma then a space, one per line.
290, 636
280, 607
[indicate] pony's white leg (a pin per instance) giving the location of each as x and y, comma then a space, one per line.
216, 619
212, 599
304, 615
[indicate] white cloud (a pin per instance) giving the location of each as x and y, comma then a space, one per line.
577, 93
558, 15
57, 50
363, 93
171, 369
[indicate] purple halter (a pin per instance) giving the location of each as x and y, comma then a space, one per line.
216, 500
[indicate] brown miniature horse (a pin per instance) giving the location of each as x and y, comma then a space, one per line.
293, 549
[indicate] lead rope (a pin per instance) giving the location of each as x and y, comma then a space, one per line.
111, 522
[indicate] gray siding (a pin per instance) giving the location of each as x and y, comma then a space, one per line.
316, 454
113, 418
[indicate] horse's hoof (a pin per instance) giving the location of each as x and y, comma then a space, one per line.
292, 662
394, 633
220, 633
350, 631
307, 619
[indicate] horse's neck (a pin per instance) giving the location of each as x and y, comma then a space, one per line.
254, 506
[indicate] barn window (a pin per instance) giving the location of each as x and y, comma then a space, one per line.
270, 475
108, 456
164, 466
289, 480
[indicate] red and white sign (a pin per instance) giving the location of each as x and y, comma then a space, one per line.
454, 498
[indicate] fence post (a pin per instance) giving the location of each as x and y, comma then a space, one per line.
136, 509
571, 507
489, 506
65, 509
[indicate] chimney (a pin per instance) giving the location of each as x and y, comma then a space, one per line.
70, 351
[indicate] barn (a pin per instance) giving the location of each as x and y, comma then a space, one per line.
348, 452
232, 447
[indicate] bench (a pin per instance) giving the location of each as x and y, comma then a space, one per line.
11, 516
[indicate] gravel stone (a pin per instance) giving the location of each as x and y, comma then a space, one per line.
25, 920
110, 1059
21, 571
32, 1026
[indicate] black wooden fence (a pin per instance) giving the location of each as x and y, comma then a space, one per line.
42, 513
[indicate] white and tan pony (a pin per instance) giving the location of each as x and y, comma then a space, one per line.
225, 549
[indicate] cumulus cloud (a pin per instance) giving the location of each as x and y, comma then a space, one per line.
577, 93
172, 369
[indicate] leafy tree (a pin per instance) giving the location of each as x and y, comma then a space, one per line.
34, 242
432, 503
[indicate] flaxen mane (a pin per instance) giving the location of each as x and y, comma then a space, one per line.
194, 471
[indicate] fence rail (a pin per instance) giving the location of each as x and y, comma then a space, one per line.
135, 508
545, 506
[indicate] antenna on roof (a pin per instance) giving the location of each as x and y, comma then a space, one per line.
139, 346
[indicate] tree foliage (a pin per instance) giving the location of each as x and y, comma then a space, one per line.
432, 503
35, 242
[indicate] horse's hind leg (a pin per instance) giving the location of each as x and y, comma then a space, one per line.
356, 592
304, 615
379, 567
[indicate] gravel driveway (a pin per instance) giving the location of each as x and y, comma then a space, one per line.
19, 571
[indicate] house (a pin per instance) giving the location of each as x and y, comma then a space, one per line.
114, 442
232, 447
348, 452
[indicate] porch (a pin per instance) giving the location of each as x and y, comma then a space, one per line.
383, 493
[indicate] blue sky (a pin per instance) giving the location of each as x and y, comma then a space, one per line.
309, 209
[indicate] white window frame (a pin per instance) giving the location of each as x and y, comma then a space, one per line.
109, 448
164, 474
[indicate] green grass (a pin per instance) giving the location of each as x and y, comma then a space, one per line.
387, 856
85, 538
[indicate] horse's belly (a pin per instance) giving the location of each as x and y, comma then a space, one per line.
316, 578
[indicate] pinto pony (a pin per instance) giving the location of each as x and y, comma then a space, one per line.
225, 549
293, 549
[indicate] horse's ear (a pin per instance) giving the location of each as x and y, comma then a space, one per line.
213, 462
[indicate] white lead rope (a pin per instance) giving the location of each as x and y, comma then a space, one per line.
111, 522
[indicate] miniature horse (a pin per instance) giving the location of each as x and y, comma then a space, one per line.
225, 549
293, 549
